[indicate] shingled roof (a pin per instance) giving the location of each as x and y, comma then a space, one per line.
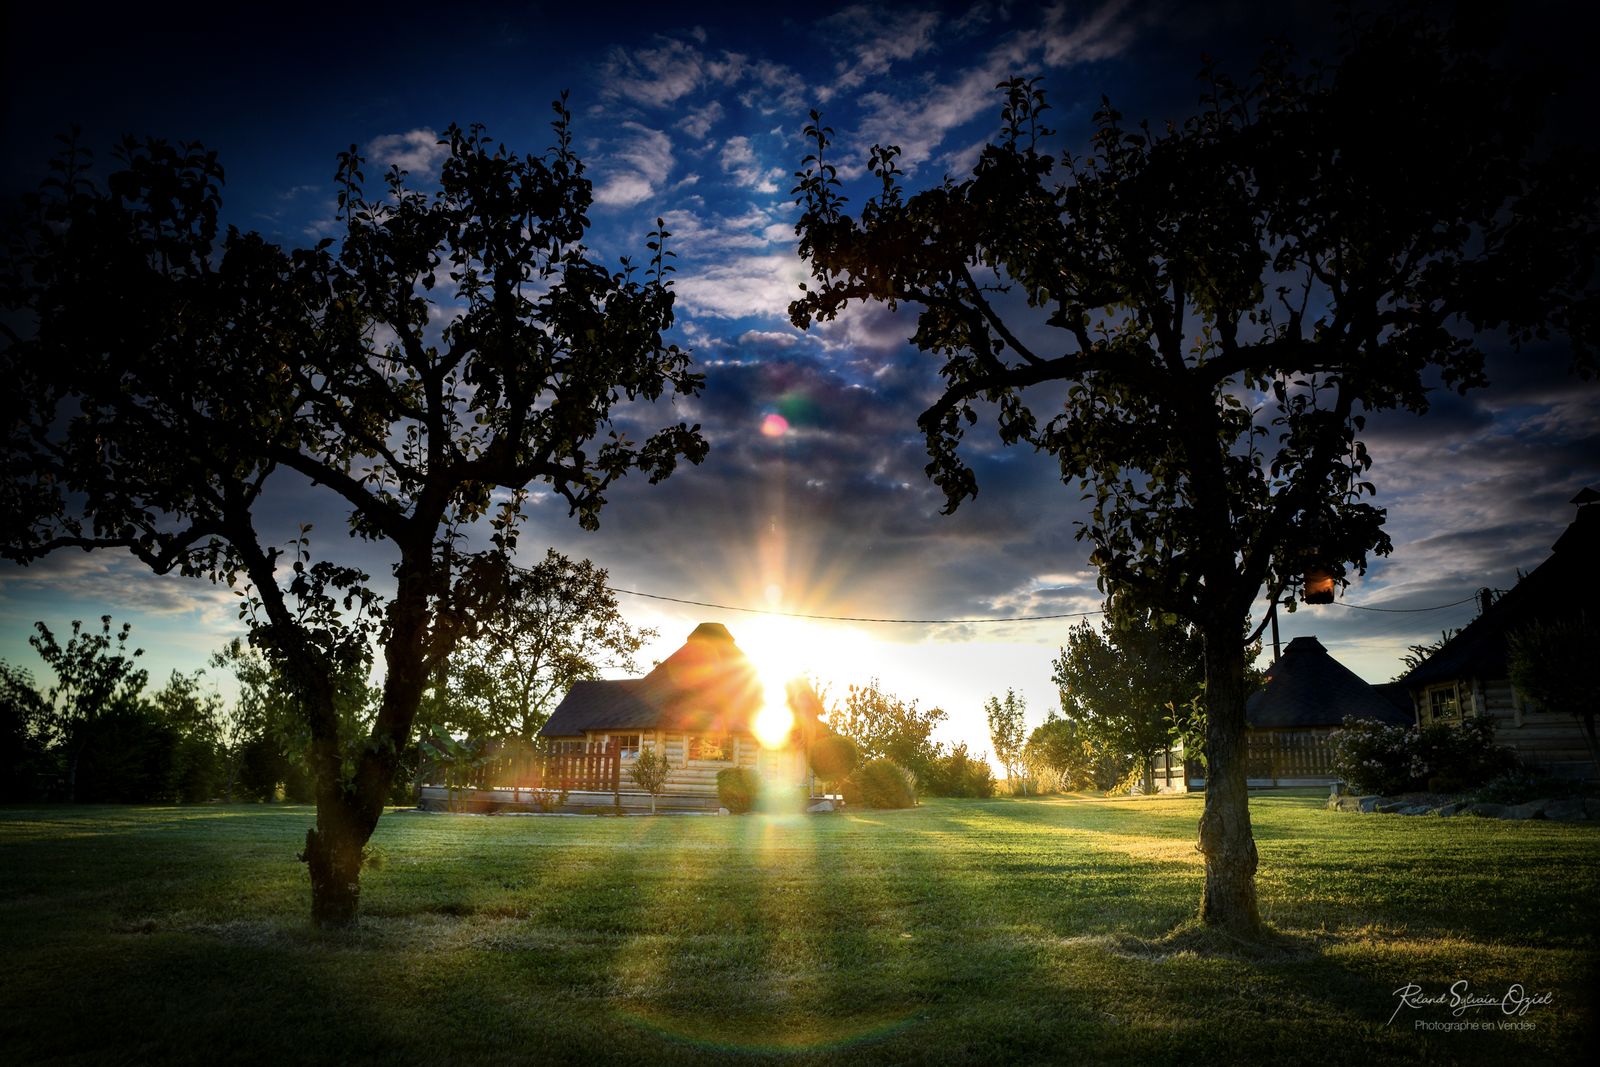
1308, 687
707, 686
1548, 592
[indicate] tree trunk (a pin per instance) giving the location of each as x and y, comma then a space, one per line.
1229, 902
333, 856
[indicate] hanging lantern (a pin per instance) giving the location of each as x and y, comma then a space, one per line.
1318, 587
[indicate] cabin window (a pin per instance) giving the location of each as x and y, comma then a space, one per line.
629, 744
1443, 705
711, 747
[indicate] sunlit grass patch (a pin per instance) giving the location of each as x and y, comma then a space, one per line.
1035, 930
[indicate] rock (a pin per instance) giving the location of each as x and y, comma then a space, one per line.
1533, 809
1487, 811
1388, 807
1348, 803
724, 811
821, 807
1569, 810
1367, 805
1415, 809
1444, 811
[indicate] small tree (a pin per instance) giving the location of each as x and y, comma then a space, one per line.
23, 712
1008, 733
557, 624
1059, 752
884, 726
94, 672
650, 772
1126, 681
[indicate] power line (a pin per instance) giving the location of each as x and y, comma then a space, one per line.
1407, 611
851, 618
964, 622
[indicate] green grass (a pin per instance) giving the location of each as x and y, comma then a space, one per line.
1012, 930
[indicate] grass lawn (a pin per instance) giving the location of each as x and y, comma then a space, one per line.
1011, 930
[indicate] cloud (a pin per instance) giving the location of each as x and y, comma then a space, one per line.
417, 151
698, 122
758, 286
1104, 34
661, 75
739, 160
879, 38
638, 167
920, 122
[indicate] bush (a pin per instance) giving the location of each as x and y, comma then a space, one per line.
833, 757
1461, 757
737, 789
956, 774
882, 783
1375, 758
1520, 786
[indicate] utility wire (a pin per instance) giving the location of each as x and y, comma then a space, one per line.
851, 618
953, 622
1400, 611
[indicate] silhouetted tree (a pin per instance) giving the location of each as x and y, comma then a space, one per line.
95, 675
1125, 682
1221, 303
445, 353
23, 759
557, 624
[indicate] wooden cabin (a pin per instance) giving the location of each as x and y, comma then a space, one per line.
699, 706
1469, 675
1291, 719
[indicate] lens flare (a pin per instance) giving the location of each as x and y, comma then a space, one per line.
774, 425
774, 721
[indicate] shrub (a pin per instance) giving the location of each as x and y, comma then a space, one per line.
1377, 758
737, 789
833, 757
956, 774
883, 783
1460, 757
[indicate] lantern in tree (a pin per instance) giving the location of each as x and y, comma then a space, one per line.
1318, 585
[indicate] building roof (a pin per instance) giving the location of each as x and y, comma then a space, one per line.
1551, 590
707, 686
1308, 687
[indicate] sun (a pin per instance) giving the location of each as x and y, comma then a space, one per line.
783, 649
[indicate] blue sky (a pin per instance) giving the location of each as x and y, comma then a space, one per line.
694, 115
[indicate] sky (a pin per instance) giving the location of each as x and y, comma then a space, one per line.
694, 115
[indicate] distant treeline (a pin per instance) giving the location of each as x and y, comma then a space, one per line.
102, 735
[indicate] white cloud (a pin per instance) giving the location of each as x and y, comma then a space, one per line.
696, 235
665, 73
774, 88
698, 122
743, 286
739, 160
882, 38
639, 167
1105, 33
417, 151
919, 124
